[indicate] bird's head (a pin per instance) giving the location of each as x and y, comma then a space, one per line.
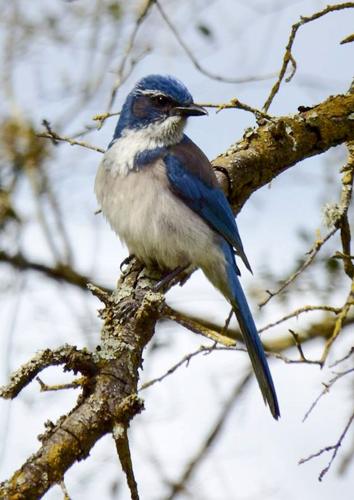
160, 105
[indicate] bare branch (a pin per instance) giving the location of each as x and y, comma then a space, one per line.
196, 327
334, 448
75, 384
344, 358
237, 104
349, 303
70, 356
120, 436
327, 387
251, 163
316, 247
195, 61
120, 78
50, 134
346, 197
298, 312
288, 56
185, 360
180, 485
59, 273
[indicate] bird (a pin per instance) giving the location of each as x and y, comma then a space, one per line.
159, 193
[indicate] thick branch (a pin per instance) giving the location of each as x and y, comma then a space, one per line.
267, 151
61, 273
109, 399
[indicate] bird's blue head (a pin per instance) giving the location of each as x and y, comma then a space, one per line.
157, 100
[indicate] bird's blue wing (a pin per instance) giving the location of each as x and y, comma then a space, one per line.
192, 179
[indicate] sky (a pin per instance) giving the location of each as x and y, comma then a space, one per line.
255, 456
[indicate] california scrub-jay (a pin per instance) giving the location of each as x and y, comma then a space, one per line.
159, 193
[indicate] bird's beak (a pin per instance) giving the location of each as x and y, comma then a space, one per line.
191, 110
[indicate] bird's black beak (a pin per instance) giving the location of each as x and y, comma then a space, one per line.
191, 110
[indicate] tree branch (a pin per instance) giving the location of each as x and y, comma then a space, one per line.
267, 151
108, 400
61, 273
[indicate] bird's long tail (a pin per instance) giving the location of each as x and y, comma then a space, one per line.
250, 335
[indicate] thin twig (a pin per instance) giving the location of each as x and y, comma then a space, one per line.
59, 273
288, 56
50, 134
120, 436
349, 303
64, 490
237, 104
70, 356
195, 61
344, 358
334, 448
185, 360
346, 197
327, 387
180, 485
120, 78
297, 313
297, 341
75, 384
196, 327
311, 256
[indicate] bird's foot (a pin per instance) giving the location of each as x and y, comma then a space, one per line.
128, 306
166, 280
126, 262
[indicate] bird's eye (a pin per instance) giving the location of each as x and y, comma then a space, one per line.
161, 100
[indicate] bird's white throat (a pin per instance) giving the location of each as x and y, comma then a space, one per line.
119, 158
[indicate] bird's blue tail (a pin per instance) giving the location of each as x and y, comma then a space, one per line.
250, 334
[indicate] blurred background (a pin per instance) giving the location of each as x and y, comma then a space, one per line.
60, 62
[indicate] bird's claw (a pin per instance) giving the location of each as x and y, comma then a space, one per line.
127, 309
126, 262
128, 306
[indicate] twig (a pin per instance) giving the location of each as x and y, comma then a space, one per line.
102, 117
348, 39
70, 356
180, 485
349, 303
75, 384
227, 322
347, 458
344, 358
326, 389
311, 256
196, 327
237, 104
59, 273
298, 345
147, 4
297, 312
120, 436
195, 61
346, 197
334, 448
68, 252
38, 183
50, 134
185, 360
64, 490
288, 56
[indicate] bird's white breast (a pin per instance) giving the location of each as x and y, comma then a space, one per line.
155, 225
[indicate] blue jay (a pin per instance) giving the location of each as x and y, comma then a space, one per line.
160, 195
